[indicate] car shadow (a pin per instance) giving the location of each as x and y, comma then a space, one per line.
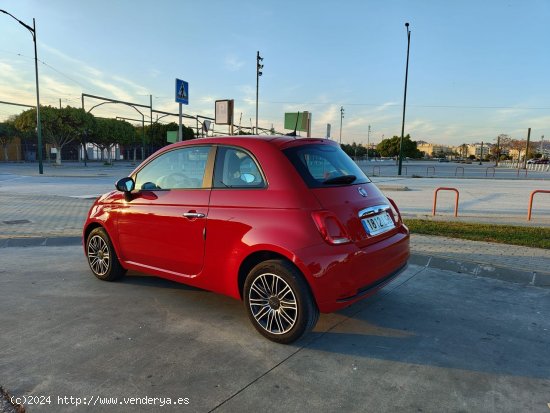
438, 320
137, 278
492, 333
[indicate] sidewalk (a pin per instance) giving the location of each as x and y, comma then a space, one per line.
42, 216
528, 266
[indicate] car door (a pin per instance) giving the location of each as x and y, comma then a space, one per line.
163, 227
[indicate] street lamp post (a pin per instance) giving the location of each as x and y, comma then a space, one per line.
341, 118
32, 30
404, 102
368, 143
259, 72
481, 154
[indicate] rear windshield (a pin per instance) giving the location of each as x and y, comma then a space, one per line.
322, 165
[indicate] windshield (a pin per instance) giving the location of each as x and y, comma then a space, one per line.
323, 165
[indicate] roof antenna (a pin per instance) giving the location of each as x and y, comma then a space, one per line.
295, 127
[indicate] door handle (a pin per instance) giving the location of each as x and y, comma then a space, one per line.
193, 215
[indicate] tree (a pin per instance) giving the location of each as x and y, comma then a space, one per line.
463, 150
59, 126
516, 145
7, 135
156, 133
390, 147
107, 133
355, 150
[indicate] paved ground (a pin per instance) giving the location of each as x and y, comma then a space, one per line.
451, 334
432, 341
427, 169
480, 200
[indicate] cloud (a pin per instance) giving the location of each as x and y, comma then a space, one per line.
385, 106
82, 66
15, 87
329, 115
233, 64
154, 73
137, 89
114, 90
56, 88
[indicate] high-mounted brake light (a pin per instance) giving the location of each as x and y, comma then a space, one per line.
330, 227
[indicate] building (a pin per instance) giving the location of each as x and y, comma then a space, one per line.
431, 150
474, 149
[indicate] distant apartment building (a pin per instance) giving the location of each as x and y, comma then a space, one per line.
431, 149
473, 149
482, 150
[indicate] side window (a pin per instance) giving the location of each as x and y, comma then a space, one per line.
235, 168
178, 169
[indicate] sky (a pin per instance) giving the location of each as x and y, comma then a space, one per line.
477, 69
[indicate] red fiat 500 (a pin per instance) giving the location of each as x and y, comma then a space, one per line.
290, 226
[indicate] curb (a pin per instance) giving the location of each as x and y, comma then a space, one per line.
477, 269
40, 242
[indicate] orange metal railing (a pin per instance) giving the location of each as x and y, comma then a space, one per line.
445, 189
537, 191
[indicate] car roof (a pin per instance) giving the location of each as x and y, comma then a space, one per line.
281, 141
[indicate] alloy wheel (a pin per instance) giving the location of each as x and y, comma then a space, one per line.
98, 255
273, 303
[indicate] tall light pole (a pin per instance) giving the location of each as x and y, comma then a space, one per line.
368, 143
341, 118
32, 30
404, 102
481, 154
259, 67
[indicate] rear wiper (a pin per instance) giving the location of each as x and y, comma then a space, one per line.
344, 179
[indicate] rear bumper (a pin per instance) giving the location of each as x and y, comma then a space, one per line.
342, 275
372, 288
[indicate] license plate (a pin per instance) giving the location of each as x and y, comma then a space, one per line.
378, 224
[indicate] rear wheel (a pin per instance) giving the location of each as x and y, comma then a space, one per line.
102, 257
278, 301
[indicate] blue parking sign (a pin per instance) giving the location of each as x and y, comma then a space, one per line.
182, 91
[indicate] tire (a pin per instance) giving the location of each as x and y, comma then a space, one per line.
278, 301
102, 257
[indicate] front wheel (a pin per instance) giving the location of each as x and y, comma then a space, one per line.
278, 301
102, 257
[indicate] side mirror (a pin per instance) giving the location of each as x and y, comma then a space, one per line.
126, 185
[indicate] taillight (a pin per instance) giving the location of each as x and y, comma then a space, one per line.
396, 213
331, 228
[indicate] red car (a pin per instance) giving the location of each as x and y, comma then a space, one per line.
292, 227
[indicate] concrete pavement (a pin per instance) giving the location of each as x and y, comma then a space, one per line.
433, 340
